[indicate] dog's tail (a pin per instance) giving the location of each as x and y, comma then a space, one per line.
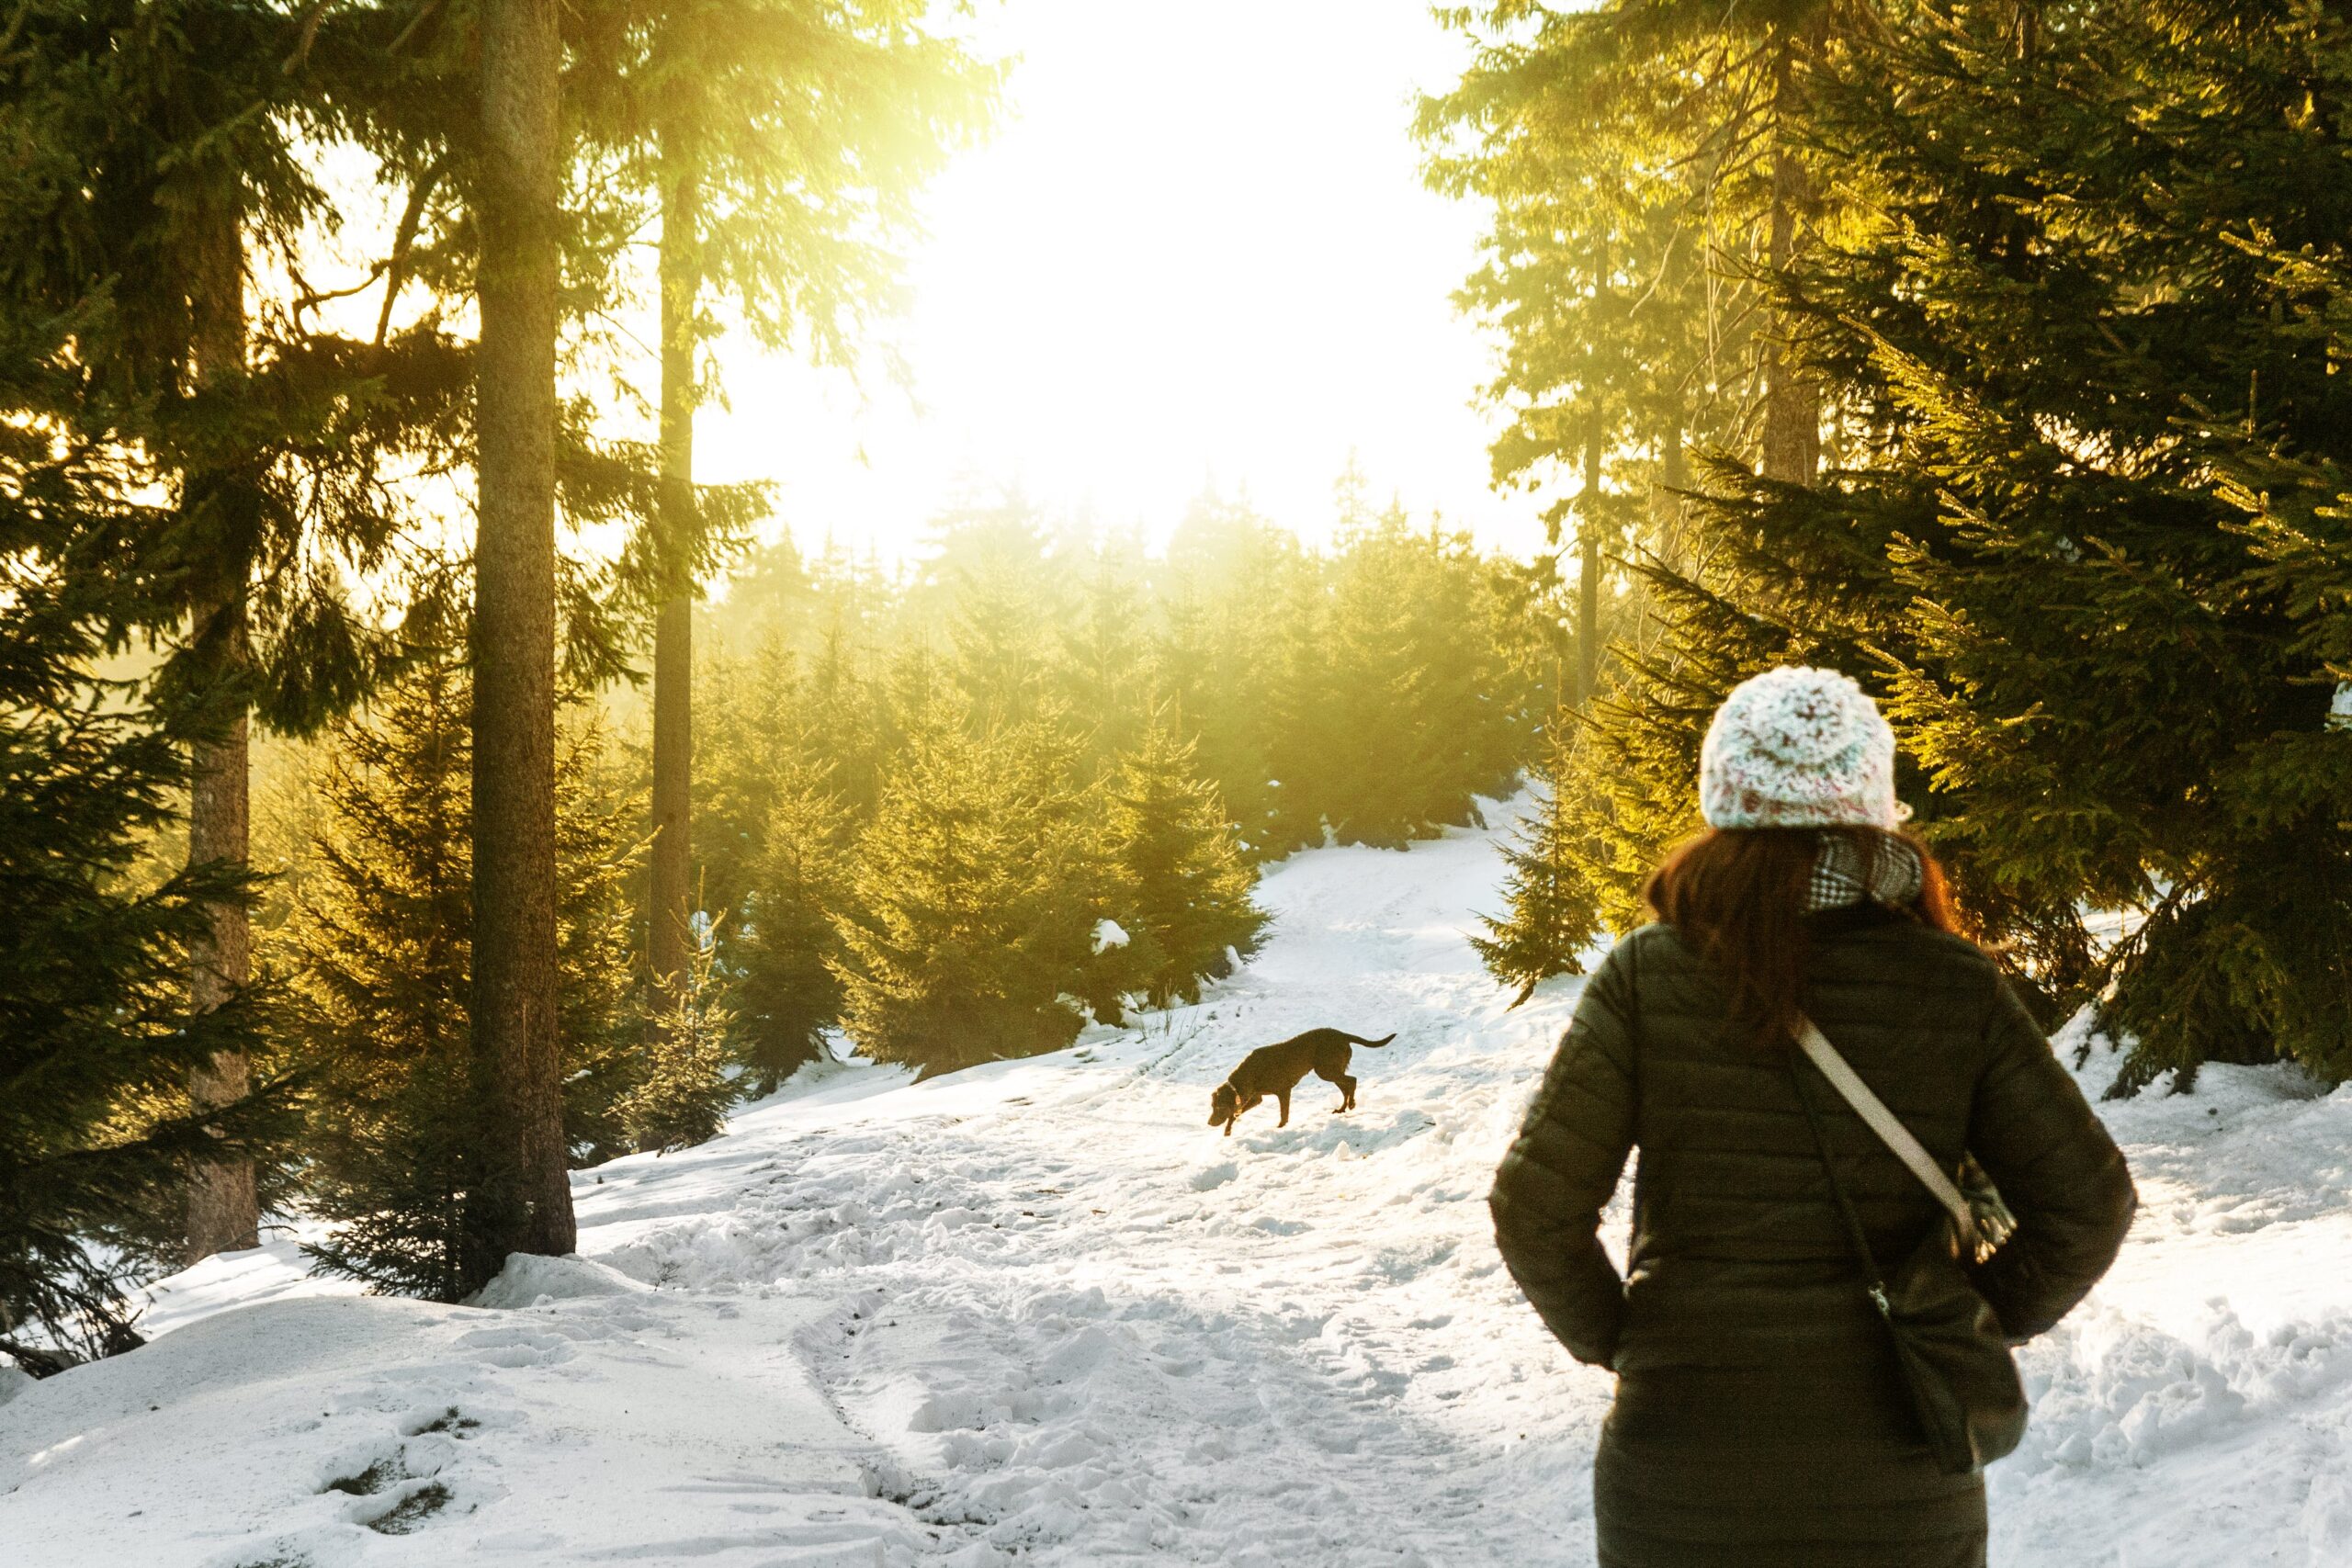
1359, 1040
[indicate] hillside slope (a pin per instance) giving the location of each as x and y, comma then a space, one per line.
1041, 1312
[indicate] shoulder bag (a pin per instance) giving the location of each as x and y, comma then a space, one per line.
1947, 1343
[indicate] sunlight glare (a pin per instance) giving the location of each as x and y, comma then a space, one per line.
1197, 253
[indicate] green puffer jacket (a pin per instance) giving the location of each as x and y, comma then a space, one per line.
1758, 1420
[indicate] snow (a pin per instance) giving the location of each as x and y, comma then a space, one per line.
1041, 1312
1109, 934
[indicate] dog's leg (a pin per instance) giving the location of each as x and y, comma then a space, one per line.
1347, 1094
1283, 1099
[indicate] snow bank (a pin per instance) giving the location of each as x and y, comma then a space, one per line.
335, 1431
1041, 1312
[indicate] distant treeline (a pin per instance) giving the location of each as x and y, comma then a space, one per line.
920, 798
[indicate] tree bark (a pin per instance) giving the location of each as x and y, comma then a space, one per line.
1588, 513
1673, 479
1589, 568
524, 1201
1791, 394
223, 1210
671, 865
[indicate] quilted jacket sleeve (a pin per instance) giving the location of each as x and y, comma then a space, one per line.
2061, 1175
1564, 1165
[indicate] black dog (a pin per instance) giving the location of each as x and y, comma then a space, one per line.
1276, 1069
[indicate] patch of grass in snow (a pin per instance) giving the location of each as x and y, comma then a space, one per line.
368, 1482
449, 1421
412, 1510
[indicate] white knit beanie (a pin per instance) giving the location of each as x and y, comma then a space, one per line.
1795, 748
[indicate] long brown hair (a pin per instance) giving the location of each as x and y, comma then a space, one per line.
1739, 896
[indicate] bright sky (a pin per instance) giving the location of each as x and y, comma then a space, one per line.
1198, 248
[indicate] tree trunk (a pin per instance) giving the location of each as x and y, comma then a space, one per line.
1588, 511
223, 1211
1589, 568
1673, 481
1791, 394
524, 1201
673, 851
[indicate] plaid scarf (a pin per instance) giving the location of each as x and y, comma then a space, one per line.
1846, 873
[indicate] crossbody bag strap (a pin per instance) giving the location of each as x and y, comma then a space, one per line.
1885, 1122
1846, 1212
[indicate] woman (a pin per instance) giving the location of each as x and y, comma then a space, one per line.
1759, 1419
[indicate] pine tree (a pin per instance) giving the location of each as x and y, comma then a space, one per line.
754, 724
787, 994
993, 591
1650, 167
1372, 792
683, 1088
93, 1015
2117, 700
1551, 913
1420, 713
1238, 665
848, 727
379, 956
1182, 881
1298, 716
961, 940
1102, 658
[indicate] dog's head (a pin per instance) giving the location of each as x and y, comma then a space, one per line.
1225, 1105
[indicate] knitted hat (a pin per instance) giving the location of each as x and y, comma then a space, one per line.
1796, 747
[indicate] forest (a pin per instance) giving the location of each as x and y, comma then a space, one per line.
415, 784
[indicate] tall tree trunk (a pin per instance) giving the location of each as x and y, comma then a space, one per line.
223, 1212
672, 850
1588, 513
1589, 567
524, 1201
1674, 478
1791, 394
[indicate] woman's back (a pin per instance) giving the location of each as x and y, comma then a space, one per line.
1757, 1394
1738, 1256
1761, 1418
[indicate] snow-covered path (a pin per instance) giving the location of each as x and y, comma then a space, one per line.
1078, 1323
1042, 1313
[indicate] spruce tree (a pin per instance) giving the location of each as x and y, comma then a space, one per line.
1550, 912
93, 1017
1237, 653
787, 994
2118, 699
378, 955
1181, 881
1103, 657
684, 1086
754, 727
1374, 789
971, 906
